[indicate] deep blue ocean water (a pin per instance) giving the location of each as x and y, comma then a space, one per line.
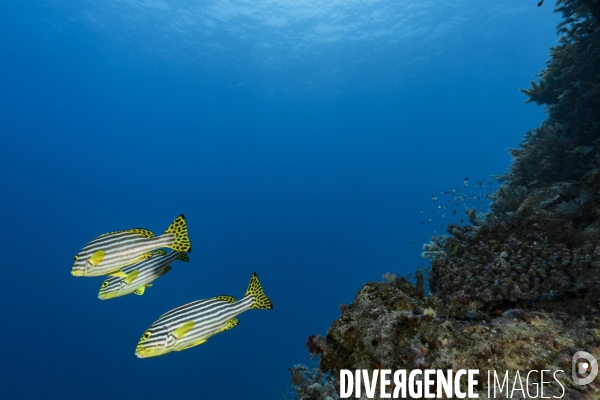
301, 139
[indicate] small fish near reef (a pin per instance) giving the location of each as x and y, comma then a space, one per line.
137, 277
192, 324
114, 250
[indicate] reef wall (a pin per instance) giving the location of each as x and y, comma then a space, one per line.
519, 289
540, 241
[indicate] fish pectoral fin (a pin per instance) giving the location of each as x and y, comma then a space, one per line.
140, 291
183, 329
232, 323
97, 257
201, 341
130, 277
119, 274
227, 299
159, 252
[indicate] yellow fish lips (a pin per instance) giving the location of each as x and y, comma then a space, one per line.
140, 352
146, 352
77, 272
107, 296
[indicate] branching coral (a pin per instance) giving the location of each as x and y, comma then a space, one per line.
434, 249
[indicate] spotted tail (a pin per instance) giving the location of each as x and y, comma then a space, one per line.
183, 257
179, 229
260, 299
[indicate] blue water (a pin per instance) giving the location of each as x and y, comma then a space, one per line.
301, 139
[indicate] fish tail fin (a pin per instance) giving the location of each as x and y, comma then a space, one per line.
183, 257
255, 289
179, 229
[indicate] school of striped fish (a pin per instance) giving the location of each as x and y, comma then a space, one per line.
132, 259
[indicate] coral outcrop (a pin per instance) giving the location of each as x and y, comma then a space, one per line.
391, 326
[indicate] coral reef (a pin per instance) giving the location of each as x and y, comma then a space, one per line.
312, 384
392, 326
519, 288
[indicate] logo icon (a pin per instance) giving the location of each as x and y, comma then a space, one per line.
582, 367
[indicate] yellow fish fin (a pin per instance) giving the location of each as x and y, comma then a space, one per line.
139, 231
140, 258
183, 257
97, 257
179, 229
140, 291
227, 299
131, 276
255, 289
195, 344
233, 322
148, 255
183, 329
111, 233
142, 232
119, 274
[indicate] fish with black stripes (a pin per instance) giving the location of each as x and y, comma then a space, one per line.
192, 324
137, 277
112, 251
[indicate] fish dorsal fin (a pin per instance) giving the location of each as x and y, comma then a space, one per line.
141, 258
183, 329
227, 299
140, 231
232, 323
183, 257
255, 289
148, 255
140, 291
131, 276
118, 274
179, 229
97, 257
111, 233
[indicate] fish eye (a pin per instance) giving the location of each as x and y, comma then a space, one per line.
146, 335
76, 258
105, 284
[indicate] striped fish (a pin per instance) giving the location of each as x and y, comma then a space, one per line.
137, 277
193, 323
114, 250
